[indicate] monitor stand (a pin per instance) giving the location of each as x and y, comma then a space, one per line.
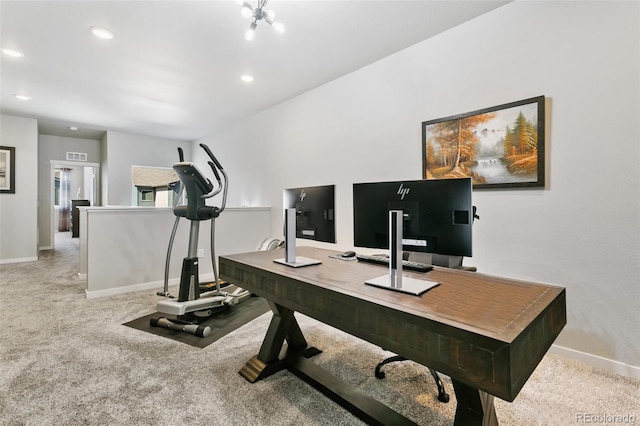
394, 280
290, 258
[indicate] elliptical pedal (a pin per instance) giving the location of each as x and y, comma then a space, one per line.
210, 286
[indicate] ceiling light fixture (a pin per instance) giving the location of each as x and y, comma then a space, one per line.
259, 14
102, 33
21, 97
246, 78
12, 52
73, 128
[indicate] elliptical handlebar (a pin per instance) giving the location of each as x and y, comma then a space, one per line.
215, 172
210, 154
214, 191
181, 186
217, 167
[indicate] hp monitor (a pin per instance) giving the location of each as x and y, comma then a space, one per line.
315, 211
437, 215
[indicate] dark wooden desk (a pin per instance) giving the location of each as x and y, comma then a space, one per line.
487, 333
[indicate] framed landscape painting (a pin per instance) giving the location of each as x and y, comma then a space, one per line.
7, 169
497, 147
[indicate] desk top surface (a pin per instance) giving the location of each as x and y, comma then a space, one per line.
494, 307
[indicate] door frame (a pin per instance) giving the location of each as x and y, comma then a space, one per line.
54, 164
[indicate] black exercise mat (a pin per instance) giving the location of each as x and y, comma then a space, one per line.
221, 323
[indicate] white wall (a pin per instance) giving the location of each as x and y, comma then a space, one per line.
581, 232
19, 211
120, 151
242, 152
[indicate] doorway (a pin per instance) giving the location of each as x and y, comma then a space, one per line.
71, 181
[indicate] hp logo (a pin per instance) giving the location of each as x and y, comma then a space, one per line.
402, 191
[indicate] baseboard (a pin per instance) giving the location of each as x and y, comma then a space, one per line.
616, 367
18, 260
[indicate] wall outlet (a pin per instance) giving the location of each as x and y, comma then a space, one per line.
200, 252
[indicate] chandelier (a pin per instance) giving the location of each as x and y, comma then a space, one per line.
259, 14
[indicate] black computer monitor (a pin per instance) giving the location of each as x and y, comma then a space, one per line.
315, 211
437, 215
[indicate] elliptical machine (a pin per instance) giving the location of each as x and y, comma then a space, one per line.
192, 306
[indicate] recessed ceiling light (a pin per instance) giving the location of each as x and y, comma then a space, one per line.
12, 52
73, 128
246, 78
22, 97
101, 32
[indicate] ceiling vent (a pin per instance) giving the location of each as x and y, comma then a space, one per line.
77, 156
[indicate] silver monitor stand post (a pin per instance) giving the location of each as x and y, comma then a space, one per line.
394, 280
290, 258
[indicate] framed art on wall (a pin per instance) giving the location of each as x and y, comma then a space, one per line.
497, 147
7, 169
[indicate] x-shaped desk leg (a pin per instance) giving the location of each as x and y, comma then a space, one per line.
283, 327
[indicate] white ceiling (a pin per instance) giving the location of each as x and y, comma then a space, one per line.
173, 69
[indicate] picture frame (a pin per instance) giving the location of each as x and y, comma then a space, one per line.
7, 170
497, 147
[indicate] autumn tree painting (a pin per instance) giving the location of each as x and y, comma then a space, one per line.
521, 146
498, 146
452, 146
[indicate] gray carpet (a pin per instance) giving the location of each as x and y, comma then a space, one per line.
66, 360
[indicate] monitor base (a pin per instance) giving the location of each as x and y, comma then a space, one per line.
409, 285
299, 262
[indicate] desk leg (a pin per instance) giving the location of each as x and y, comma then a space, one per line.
474, 407
283, 326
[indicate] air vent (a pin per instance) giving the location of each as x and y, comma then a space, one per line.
77, 156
